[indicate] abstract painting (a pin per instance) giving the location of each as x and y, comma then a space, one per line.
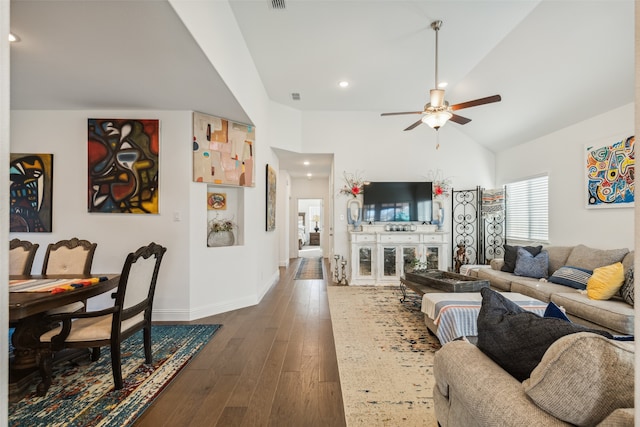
223, 151
610, 171
123, 166
30, 193
271, 198
217, 201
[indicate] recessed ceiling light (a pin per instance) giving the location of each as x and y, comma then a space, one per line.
443, 84
343, 83
13, 38
306, 163
309, 175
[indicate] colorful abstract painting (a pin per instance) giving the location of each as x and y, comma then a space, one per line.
223, 151
611, 174
217, 201
123, 165
271, 198
30, 192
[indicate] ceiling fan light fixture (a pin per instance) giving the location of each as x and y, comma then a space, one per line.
437, 97
437, 119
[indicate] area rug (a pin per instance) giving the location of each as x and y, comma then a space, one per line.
385, 357
309, 268
84, 395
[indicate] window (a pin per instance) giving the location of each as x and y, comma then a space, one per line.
528, 209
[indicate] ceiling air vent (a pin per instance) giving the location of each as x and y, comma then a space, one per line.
277, 4
295, 95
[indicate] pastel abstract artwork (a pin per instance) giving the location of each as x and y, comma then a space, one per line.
223, 151
610, 173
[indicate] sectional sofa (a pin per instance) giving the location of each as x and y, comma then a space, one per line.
614, 315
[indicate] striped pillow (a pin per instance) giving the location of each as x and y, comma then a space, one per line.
571, 276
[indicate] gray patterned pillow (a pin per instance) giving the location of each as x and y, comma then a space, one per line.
532, 266
626, 291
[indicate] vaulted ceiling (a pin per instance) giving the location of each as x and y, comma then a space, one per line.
554, 62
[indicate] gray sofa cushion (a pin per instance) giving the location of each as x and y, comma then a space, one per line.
499, 279
585, 257
517, 339
557, 256
614, 314
582, 378
538, 289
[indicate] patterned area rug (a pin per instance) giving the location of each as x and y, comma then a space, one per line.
84, 395
385, 357
309, 268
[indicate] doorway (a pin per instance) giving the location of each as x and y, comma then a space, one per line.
310, 228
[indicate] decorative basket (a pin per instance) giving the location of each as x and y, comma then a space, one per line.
220, 238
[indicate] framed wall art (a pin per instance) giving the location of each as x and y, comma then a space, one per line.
610, 174
30, 193
216, 201
223, 151
271, 198
123, 165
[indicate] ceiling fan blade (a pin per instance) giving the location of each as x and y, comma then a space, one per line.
459, 119
414, 125
405, 112
476, 102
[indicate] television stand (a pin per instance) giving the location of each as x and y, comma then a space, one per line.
379, 257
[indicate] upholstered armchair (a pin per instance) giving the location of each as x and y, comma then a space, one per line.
130, 313
21, 255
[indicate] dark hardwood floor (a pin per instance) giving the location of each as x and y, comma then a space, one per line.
273, 364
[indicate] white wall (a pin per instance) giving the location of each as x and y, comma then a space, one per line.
283, 213
561, 155
4, 198
64, 134
378, 147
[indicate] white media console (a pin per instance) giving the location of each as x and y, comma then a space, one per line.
378, 256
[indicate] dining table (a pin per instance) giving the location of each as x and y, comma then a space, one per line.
30, 298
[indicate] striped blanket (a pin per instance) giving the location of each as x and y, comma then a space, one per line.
53, 286
456, 314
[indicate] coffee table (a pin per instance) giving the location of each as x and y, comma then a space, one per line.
429, 281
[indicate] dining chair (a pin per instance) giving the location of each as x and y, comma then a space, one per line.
73, 256
21, 255
130, 313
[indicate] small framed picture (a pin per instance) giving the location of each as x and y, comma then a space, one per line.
216, 201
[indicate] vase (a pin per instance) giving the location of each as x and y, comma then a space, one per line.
220, 238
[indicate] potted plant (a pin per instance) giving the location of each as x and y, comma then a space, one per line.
221, 232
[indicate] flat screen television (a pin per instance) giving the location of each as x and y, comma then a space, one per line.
397, 201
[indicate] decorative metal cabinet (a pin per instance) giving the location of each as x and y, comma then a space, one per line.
381, 257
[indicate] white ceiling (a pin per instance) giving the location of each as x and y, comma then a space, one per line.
554, 62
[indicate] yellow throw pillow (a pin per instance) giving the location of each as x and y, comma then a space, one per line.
605, 281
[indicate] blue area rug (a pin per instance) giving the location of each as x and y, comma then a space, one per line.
84, 395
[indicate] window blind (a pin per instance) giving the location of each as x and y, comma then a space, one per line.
528, 209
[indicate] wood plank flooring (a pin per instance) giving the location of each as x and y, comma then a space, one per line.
273, 364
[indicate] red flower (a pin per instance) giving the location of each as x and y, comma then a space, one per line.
438, 191
355, 190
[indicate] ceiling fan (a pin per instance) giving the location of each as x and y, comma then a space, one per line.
438, 111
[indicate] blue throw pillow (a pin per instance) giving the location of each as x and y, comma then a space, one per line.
511, 254
528, 265
571, 276
556, 312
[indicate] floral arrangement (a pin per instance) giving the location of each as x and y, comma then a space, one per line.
354, 184
442, 188
217, 225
